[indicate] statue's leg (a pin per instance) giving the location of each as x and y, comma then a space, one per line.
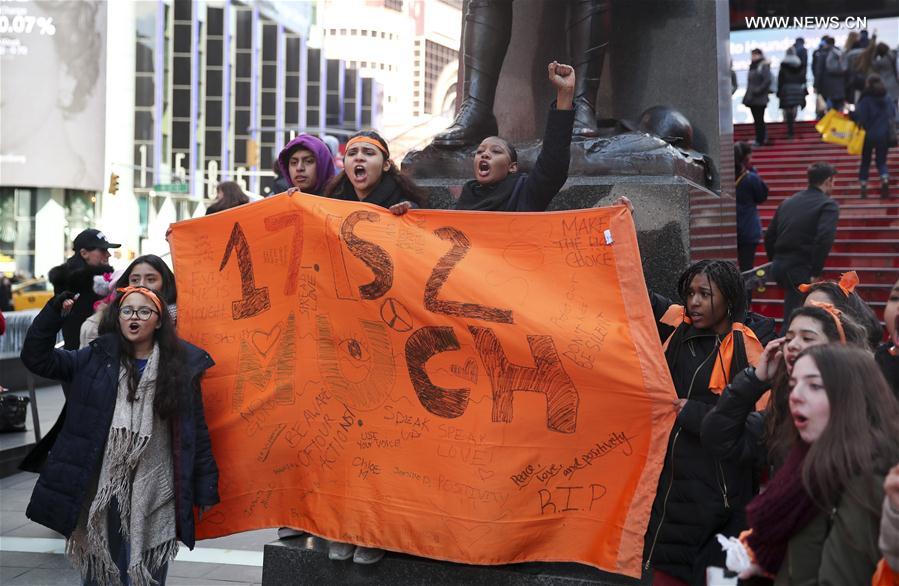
588, 37
485, 38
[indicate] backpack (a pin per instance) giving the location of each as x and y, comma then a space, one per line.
834, 62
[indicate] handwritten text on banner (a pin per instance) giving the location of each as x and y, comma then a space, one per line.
478, 387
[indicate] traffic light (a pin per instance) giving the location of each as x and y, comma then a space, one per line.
113, 183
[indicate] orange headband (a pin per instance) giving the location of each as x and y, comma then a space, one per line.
847, 284
126, 291
848, 281
370, 141
835, 314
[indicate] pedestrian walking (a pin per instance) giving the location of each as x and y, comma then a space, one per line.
801, 234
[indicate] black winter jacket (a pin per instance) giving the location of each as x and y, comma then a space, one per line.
791, 90
802, 230
76, 276
733, 430
698, 494
74, 462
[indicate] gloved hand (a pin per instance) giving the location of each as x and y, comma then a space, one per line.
63, 302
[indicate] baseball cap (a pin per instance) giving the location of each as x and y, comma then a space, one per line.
92, 238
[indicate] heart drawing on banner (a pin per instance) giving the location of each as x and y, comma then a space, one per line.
263, 341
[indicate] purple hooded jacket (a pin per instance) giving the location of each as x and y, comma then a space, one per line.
324, 163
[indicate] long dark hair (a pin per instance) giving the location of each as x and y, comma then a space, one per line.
168, 291
340, 183
171, 372
860, 437
232, 196
779, 430
855, 306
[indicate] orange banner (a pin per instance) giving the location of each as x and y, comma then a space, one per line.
483, 388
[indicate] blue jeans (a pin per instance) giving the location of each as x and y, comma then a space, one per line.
120, 550
880, 157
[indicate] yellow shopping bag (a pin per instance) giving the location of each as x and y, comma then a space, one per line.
824, 123
840, 132
858, 140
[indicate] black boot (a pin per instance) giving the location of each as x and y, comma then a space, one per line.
488, 28
884, 186
863, 189
588, 37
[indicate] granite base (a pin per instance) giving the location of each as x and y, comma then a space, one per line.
304, 560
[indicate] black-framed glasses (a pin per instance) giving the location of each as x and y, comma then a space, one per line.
142, 313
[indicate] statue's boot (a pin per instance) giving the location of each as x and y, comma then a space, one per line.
488, 28
588, 37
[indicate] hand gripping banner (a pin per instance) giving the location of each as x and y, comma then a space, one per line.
484, 388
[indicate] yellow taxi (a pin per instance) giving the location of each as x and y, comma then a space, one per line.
31, 294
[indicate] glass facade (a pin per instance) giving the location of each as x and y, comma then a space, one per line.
220, 86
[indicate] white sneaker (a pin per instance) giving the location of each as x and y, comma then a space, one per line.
368, 555
285, 532
339, 551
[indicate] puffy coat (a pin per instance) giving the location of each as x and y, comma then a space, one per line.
751, 191
791, 90
698, 495
758, 84
733, 430
74, 462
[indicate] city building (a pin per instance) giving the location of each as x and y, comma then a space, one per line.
149, 105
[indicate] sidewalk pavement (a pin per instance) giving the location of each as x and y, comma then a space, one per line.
32, 555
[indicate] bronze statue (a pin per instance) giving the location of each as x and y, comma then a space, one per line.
485, 38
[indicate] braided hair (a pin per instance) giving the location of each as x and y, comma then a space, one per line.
730, 282
728, 279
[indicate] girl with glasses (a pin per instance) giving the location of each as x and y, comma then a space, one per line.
134, 456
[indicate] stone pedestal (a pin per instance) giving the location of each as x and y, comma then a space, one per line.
663, 208
304, 560
664, 184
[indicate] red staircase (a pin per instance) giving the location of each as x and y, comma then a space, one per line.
867, 239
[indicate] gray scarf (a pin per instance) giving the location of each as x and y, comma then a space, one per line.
137, 471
